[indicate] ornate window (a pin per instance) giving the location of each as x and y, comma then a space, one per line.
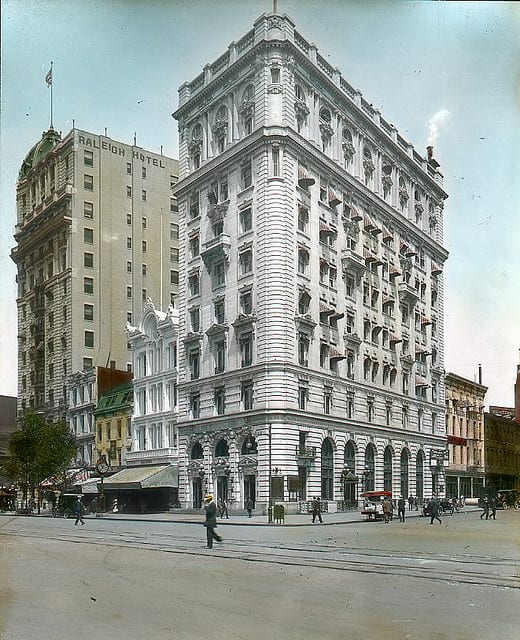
246, 109
368, 164
195, 146
387, 178
347, 144
325, 127
387, 469
403, 193
220, 128
327, 469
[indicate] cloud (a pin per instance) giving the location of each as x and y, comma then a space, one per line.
433, 125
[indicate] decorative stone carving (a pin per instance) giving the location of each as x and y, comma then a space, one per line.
275, 88
326, 130
195, 146
418, 208
403, 196
220, 128
387, 184
301, 110
368, 168
348, 149
274, 22
247, 108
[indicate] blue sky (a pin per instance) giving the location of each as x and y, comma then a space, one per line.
118, 64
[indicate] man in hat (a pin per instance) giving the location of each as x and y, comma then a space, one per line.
210, 509
401, 508
79, 510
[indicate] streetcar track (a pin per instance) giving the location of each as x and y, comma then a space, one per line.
376, 562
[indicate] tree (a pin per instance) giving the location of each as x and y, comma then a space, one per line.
38, 450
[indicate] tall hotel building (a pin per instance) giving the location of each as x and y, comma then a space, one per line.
96, 236
311, 292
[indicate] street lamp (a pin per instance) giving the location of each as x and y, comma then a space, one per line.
102, 467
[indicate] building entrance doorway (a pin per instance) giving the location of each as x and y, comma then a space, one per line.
222, 489
250, 488
197, 493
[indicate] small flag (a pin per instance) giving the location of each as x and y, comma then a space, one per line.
48, 77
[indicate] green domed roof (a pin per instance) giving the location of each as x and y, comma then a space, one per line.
49, 140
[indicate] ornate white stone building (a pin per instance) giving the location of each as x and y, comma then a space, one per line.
311, 311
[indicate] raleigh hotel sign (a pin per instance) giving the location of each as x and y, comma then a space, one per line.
106, 145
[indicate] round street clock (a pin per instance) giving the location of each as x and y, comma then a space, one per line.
102, 465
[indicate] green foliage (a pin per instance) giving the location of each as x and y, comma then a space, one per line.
38, 450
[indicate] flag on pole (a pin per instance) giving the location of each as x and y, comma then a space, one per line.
48, 77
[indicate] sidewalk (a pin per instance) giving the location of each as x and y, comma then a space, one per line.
291, 520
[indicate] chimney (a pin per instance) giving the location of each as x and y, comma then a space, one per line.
431, 159
430, 152
480, 374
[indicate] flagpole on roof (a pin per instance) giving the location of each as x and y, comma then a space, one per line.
48, 80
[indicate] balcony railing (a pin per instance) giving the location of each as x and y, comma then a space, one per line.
152, 455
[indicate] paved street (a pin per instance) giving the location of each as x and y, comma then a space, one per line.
134, 577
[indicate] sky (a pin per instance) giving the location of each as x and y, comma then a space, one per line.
445, 73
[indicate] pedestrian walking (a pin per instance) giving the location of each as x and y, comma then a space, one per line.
387, 510
223, 509
249, 507
485, 508
493, 509
410, 502
401, 508
416, 504
79, 510
434, 511
210, 523
316, 509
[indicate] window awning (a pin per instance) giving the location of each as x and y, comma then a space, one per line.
457, 440
144, 478
336, 355
87, 486
436, 269
304, 179
355, 215
394, 338
325, 309
333, 198
421, 382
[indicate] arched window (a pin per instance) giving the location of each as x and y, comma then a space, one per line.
220, 128
387, 181
325, 115
196, 452
222, 449
350, 456
387, 469
347, 144
419, 475
196, 134
327, 469
368, 164
195, 146
403, 193
247, 109
325, 127
405, 458
370, 468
